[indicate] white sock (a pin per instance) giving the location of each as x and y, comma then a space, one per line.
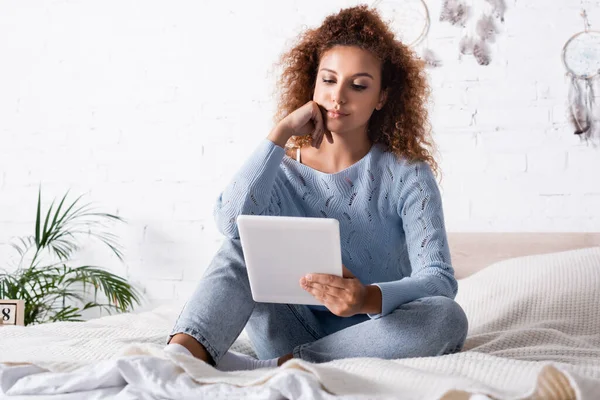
177, 348
233, 361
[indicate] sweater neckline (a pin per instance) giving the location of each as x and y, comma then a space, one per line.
335, 174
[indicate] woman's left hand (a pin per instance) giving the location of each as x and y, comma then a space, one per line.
344, 296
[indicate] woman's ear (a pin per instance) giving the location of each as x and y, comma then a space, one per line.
382, 99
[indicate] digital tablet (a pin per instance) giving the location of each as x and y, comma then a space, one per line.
280, 250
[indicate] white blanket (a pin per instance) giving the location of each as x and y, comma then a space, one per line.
525, 314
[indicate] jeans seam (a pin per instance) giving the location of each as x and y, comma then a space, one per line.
306, 326
296, 352
181, 312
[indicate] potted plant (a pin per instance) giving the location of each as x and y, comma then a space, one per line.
54, 290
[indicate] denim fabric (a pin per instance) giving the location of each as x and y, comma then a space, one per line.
222, 306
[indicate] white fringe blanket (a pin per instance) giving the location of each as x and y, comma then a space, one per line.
534, 331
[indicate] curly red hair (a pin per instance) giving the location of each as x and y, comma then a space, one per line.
402, 124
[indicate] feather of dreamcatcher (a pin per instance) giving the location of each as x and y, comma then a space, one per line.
594, 131
431, 60
481, 52
466, 45
498, 8
486, 28
454, 12
578, 110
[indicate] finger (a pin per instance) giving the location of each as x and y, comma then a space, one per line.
326, 279
320, 139
304, 124
319, 121
316, 132
318, 116
332, 291
326, 133
329, 136
323, 297
323, 288
323, 132
346, 273
315, 293
313, 136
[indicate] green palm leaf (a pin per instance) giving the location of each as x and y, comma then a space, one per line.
70, 223
52, 289
115, 288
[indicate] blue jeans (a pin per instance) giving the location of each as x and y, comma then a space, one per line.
222, 305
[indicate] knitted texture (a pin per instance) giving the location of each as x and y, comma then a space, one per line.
392, 228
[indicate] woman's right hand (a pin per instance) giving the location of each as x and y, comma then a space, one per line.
306, 120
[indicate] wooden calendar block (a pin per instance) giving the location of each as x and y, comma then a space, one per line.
12, 312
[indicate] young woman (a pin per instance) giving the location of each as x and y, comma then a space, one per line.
351, 142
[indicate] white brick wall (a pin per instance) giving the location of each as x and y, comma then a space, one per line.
149, 111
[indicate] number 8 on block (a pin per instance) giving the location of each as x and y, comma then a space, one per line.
12, 312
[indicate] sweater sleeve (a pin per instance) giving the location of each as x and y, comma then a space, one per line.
420, 208
251, 190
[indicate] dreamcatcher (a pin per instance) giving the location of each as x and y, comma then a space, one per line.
581, 58
480, 32
410, 22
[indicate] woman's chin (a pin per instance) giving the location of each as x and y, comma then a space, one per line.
334, 125
338, 128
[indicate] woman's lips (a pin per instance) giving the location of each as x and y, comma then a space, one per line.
334, 114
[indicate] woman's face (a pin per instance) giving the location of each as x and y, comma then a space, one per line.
348, 87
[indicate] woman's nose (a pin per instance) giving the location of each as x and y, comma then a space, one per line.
338, 96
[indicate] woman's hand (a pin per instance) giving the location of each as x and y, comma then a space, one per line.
306, 120
344, 296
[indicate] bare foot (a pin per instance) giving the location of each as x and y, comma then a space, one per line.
193, 346
284, 359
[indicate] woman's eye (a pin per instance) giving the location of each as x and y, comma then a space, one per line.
357, 87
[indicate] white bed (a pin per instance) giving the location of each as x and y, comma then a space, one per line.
534, 333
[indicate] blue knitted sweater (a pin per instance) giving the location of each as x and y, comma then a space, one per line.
390, 213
